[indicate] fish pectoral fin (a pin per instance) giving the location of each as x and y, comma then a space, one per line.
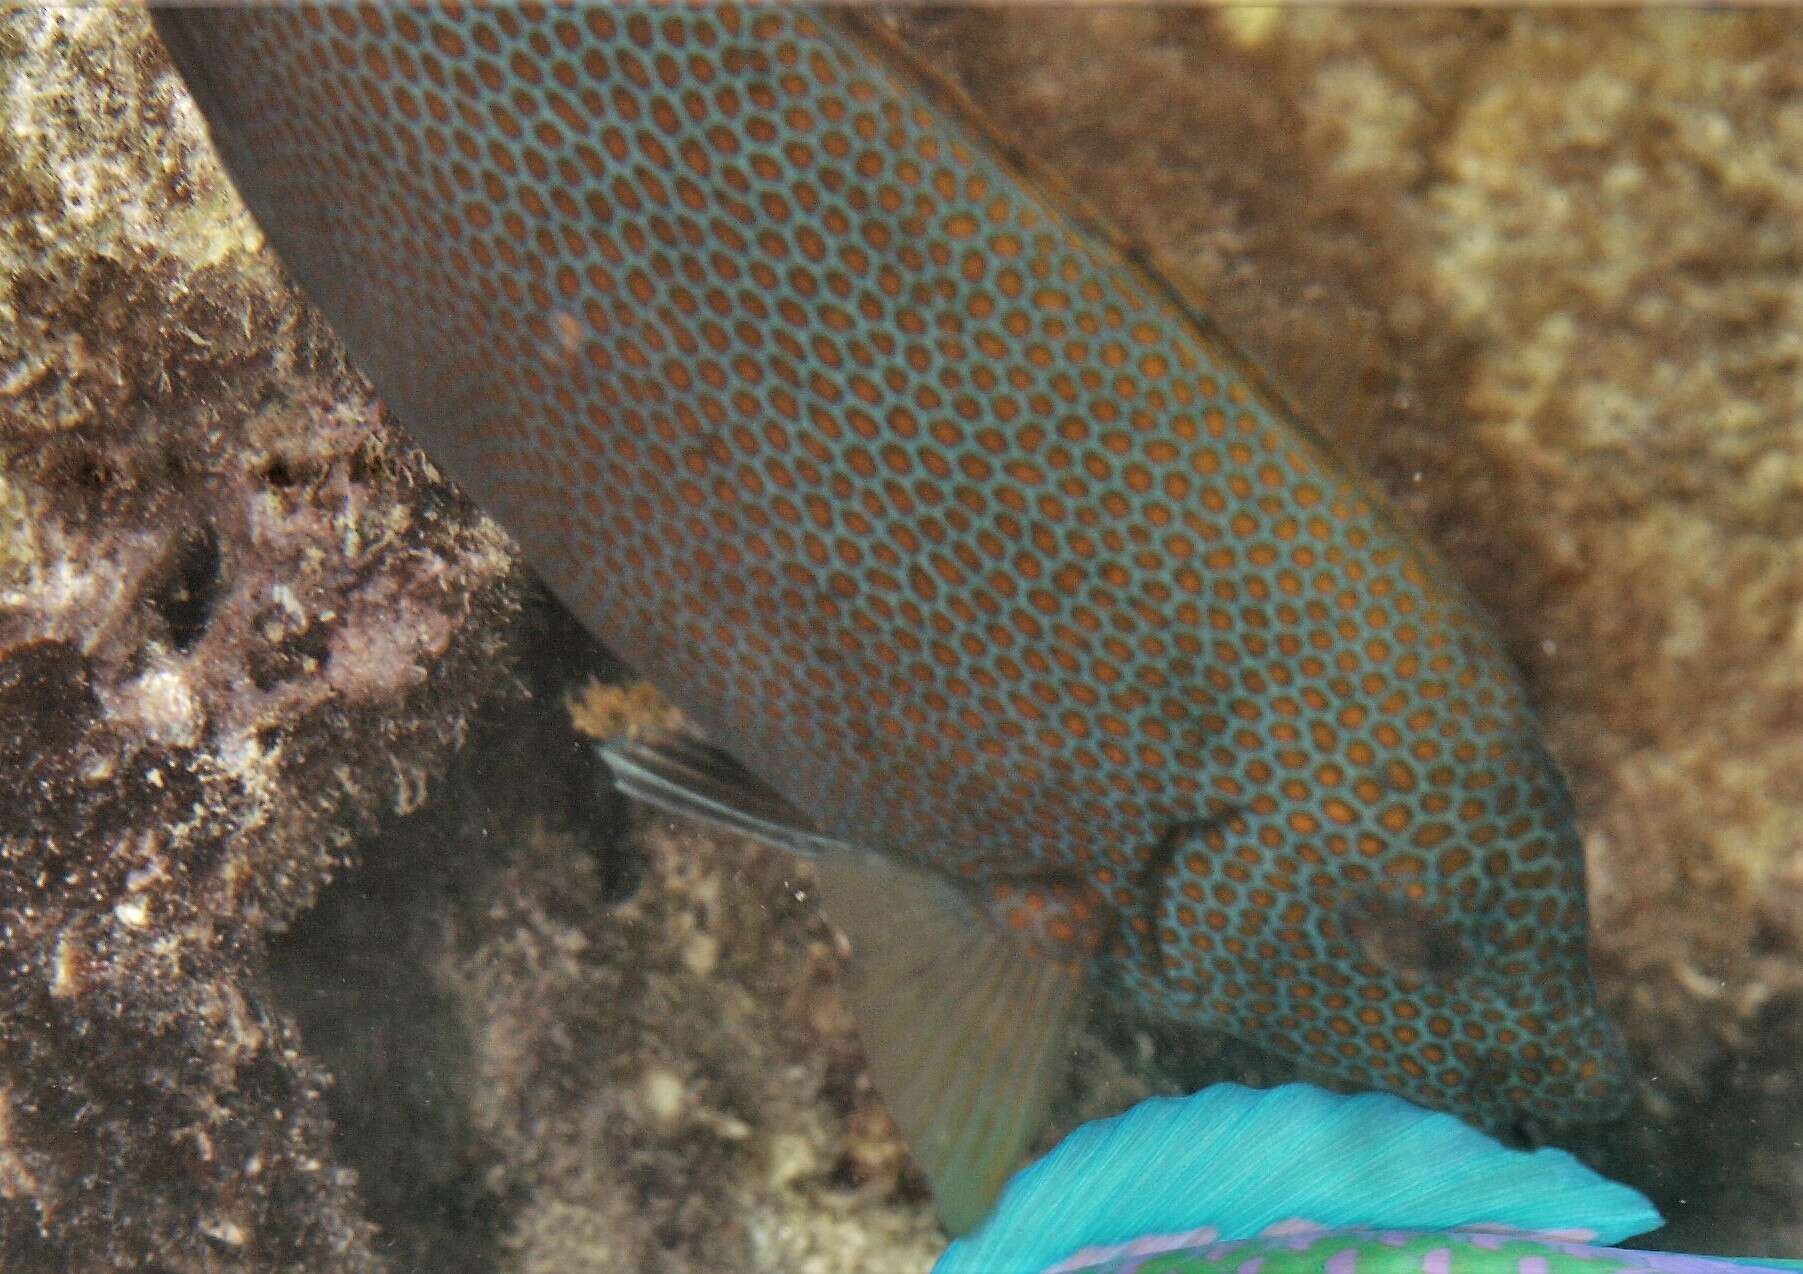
965, 1026
681, 773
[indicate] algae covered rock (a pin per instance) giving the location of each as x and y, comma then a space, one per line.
239, 619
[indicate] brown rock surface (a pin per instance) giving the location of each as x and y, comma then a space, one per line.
239, 619
1541, 274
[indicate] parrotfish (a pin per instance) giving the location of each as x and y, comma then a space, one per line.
991, 575
1295, 1180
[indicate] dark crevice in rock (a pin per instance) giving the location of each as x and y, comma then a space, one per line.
369, 973
189, 587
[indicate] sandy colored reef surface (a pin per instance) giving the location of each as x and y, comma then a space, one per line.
324, 947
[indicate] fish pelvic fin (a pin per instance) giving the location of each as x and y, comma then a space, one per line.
1233, 1163
683, 774
965, 1022
966, 1027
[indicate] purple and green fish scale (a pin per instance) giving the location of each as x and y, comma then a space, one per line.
936, 512
1452, 1252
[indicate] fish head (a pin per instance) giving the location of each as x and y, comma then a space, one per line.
1482, 1006
1430, 938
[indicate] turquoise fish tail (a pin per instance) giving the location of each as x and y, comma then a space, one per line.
1235, 1162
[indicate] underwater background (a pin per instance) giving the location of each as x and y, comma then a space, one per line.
327, 948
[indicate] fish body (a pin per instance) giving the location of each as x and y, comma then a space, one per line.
1295, 1180
954, 527
1405, 1252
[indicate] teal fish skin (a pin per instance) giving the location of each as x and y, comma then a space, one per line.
1297, 1180
926, 504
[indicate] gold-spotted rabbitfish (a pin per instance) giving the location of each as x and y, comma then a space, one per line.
992, 577
1300, 1181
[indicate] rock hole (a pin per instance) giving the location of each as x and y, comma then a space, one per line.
88, 472
185, 596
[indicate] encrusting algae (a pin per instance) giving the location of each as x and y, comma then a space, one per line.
1004, 588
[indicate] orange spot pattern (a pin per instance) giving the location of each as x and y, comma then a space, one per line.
1063, 920
935, 513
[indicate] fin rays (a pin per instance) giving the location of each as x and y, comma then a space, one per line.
681, 774
963, 1042
963, 1024
1239, 1161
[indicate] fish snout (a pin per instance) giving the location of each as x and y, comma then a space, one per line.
1569, 1070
